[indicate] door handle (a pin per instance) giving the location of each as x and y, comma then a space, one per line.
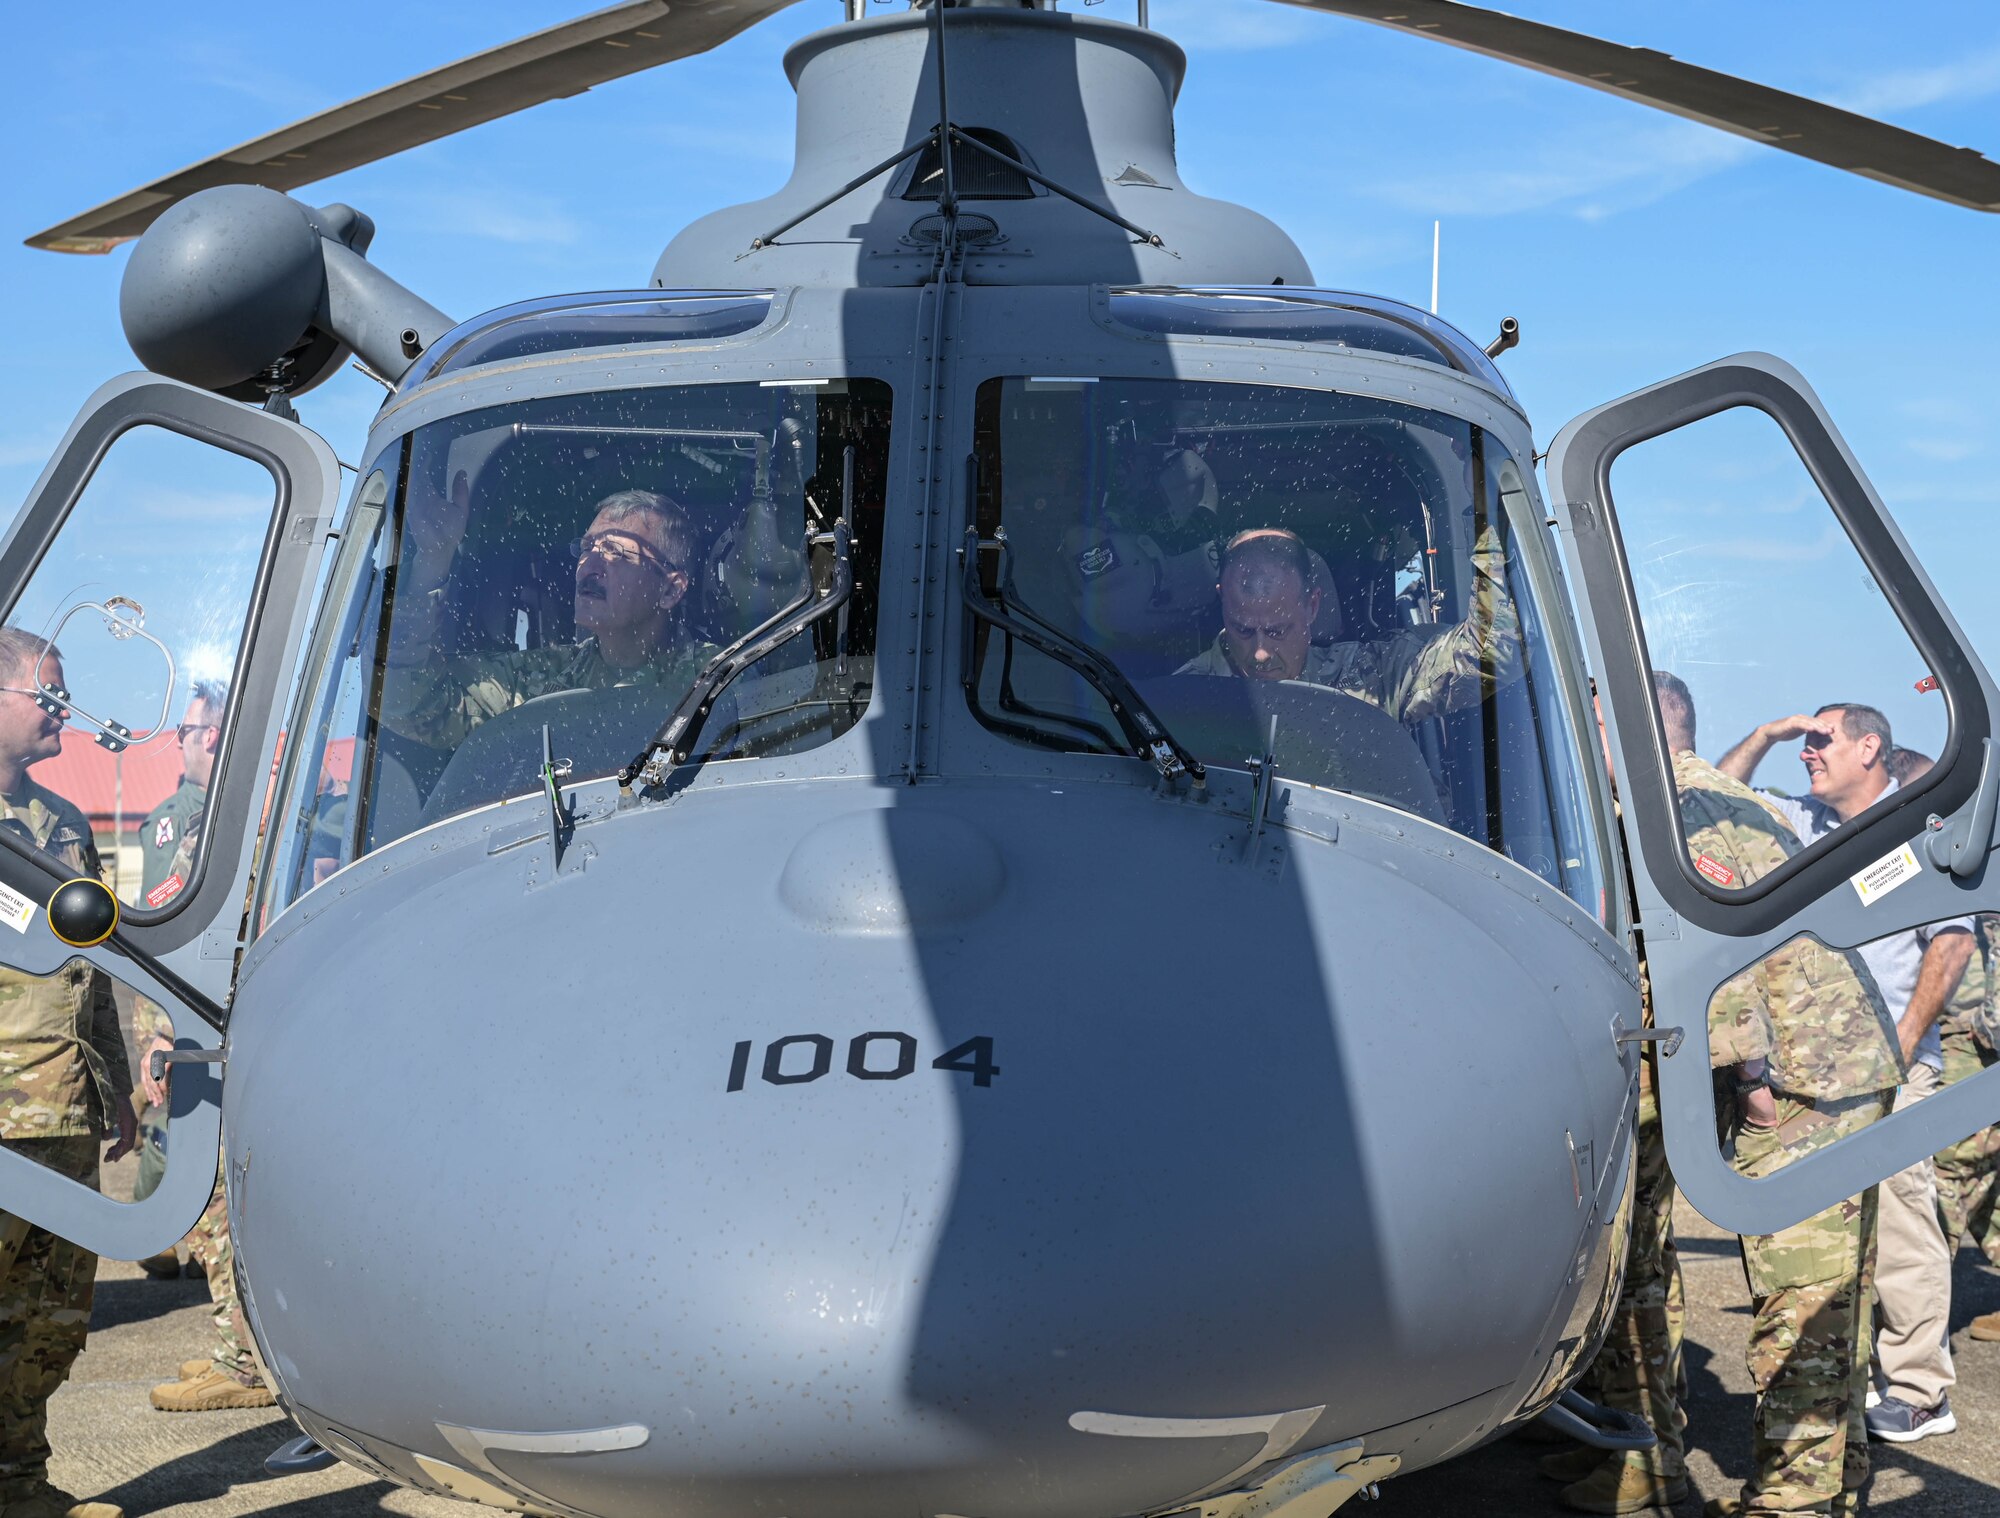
1669, 1039
161, 1058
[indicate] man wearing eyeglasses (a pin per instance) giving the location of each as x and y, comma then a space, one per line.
172, 830
64, 1082
632, 574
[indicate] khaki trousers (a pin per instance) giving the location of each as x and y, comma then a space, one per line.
1913, 1277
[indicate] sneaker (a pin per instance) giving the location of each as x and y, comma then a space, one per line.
45, 1501
1621, 1485
209, 1392
1897, 1422
1874, 1398
1986, 1326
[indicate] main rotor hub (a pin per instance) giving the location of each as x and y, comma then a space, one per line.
1085, 104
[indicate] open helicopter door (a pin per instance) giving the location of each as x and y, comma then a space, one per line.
1723, 533
155, 585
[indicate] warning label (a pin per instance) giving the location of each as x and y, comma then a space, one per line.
1885, 874
15, 909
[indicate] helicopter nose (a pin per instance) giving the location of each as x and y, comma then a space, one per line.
886, 1143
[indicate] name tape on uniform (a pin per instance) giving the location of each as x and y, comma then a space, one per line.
1886, 873
16, 910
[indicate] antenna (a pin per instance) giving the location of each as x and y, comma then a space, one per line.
948, 195
1436, 227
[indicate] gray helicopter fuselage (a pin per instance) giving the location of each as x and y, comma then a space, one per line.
1317, 1115
922, 1076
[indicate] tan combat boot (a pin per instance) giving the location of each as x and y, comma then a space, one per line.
1571, 1465
1986, 1326
164, 1266
45, 1501
1846, 1505
1628, 1484
192, 1368
209, 1392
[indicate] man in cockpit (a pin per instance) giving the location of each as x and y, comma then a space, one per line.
1269, 602
632, 574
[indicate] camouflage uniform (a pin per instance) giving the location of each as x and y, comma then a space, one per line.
444, 697
62, 1073
1968, 1170
1420, 671
234, 1354
1640, 1367
1835, 1063
150, 1022
168, 839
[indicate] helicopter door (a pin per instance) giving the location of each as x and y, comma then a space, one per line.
155, 584
1723, 534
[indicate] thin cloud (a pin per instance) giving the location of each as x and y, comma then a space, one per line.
506, 216
23, 452
225, 68
1944, 450
1595, 174
1214, 26
739, 141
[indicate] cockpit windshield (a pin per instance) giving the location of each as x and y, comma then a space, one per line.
571, 564
1327, 578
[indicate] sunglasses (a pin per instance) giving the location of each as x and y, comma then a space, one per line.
181, 732
621, 548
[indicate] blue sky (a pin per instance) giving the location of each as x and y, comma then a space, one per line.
1629, 244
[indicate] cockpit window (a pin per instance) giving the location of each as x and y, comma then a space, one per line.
1326, 577
570, 564
611, 321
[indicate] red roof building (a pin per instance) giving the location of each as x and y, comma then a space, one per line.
115, 791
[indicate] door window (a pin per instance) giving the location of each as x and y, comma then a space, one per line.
1778, 656
117, 657
1804, 757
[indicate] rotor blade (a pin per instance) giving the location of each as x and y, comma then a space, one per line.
1858, 144
549, 65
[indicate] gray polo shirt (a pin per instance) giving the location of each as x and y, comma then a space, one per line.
1893, 961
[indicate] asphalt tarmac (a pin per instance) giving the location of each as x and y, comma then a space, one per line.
110, 1443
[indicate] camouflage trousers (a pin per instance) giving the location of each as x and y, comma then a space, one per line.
209, 1243
152, 1151
46, 1285
1640, 1369
1968, 1171
1810, 1290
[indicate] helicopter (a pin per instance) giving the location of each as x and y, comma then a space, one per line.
1006, 988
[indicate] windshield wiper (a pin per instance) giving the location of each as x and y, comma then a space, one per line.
1004, 611
675, 741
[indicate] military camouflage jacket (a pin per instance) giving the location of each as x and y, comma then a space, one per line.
62, 1058
1815, 1012
1974, 1008
167, 841
442, 699
1421, 671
